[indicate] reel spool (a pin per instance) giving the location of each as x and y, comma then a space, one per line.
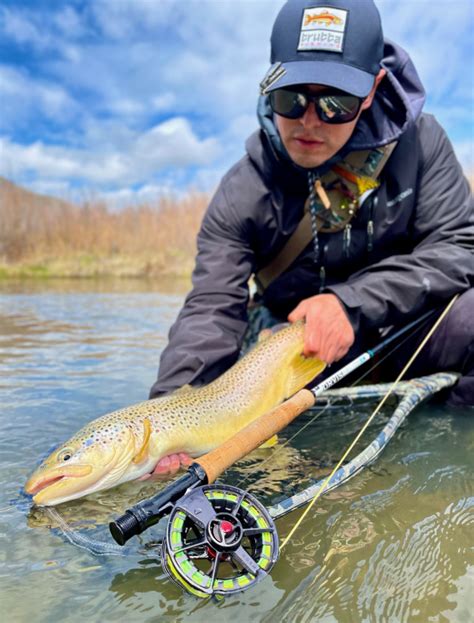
219, 540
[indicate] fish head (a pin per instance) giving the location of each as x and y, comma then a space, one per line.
94, 459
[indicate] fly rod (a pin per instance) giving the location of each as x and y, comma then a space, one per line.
207, 468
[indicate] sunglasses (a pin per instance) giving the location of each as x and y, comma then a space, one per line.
331, 106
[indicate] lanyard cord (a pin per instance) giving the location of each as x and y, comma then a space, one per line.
364, 427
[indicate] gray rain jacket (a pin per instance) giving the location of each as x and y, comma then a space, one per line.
423, 237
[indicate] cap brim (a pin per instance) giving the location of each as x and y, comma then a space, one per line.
337, 75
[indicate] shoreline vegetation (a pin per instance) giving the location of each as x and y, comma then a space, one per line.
43, 237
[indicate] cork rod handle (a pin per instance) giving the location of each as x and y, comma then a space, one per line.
254, 434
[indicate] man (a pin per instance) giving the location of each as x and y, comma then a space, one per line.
388, 231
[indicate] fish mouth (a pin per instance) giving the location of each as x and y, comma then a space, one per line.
43, 487
33, 489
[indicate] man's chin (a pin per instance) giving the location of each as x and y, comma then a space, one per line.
308, 163
309, 160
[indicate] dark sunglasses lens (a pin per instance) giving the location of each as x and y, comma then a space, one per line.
337, 108
288, 104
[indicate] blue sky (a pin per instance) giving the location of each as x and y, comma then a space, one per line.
130, 99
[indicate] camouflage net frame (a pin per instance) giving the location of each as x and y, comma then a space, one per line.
411, 394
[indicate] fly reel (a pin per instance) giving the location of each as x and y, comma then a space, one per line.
219, 540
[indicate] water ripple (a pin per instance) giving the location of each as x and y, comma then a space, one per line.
390, 545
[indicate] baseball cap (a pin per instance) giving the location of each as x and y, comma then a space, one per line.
338, 43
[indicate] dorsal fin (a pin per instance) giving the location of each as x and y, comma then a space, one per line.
138, 458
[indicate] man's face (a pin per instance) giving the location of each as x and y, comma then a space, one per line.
310, 141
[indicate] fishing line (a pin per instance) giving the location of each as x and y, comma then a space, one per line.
390, 352
411, 394
105, 548
98, 548
369, 420
278, 450
317, 415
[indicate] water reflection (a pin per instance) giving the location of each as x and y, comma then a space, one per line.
391, 545
161, 285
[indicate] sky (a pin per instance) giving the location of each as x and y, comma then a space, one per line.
132, 99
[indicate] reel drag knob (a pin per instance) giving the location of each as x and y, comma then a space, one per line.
219, 540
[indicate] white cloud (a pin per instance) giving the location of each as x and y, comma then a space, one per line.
433, 33
52, 187
69, 22
124, 19
18, 25
147, 194
173, 143
127, 107
465, 154
207, 178
452, 117
169, 144
177, 57
163, 102
142, 86
21, 96
42, 29
243, 125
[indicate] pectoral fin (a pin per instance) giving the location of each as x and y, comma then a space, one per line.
270, 442
138, 458
303, 370
183, 389
264, 335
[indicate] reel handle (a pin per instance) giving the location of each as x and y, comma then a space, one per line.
207, 468
148, 512
254, 434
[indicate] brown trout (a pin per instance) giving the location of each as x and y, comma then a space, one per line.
127, 444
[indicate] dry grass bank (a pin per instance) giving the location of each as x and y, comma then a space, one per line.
42, 236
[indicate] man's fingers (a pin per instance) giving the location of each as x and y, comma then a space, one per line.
333, 348
171, 464
174, 463
341, 352
298, 313
312, 340
329, 355
163, 465
328, 333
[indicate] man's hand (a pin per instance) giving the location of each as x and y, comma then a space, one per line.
328, 333
172, 463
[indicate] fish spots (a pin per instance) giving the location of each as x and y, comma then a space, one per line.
122, 442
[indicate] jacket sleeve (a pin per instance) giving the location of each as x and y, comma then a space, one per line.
442, 260
205, 339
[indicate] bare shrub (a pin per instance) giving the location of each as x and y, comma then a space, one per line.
34, 227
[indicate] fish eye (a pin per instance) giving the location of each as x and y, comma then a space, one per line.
65, 455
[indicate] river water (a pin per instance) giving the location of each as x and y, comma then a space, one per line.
393, 544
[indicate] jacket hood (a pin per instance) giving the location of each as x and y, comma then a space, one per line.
397, 104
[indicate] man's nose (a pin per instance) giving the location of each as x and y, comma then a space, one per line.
310, 118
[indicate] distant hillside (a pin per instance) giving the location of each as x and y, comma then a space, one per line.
47, 236
25, 214
9, 190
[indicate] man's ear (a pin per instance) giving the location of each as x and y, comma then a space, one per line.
370, 97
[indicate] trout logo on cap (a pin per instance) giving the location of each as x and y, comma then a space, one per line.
323, 29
